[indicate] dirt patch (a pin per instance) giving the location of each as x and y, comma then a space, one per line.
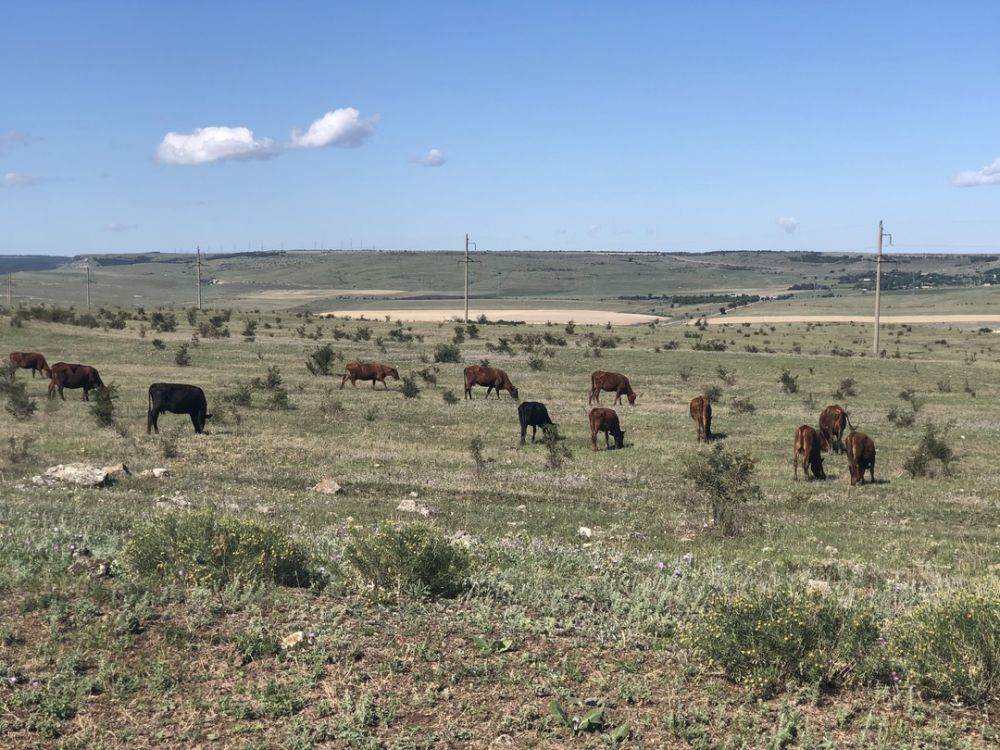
535, 316
911, 319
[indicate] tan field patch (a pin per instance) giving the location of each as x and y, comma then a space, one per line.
304, 294
536, 316
911, 319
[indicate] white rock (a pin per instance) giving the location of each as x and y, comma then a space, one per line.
585, 532
462, 539
326, 486
265, 510
158, 473
414, 493
293, 639
819, 587
177, 501
409, 505
83, 475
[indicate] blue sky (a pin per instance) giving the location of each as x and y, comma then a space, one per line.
690, 126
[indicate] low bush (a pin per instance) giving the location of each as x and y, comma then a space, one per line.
765, 638
102, 406
725, 480
412, 557
322, 360
409, 386
932, 447
789, 383
182, 357
949, 646
211, 550
742, 406
19, 404
846, 389
712, 392
449, 397
447, 353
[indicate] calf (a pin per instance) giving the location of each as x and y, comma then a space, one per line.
610, 381
606, 421
807, 452
860, 457
492, 377
65, 375
701, 413
534, 415
31, 361
373, 371
177, 398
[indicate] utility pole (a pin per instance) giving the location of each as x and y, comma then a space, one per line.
8, 289
467, 261
88, 282
878, 283
199, 276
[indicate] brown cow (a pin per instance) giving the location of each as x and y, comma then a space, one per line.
373, 371
860, 456
610, 381
701, 413
74, 376
606, 421
833, 420
31, 361
492, 377
807, 452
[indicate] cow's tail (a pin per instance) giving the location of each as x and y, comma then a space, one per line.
848, 418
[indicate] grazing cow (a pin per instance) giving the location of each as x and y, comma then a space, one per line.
807, 452
833, 420
31, 361
177, 398
860, 456
373, 371
492, 377
701, 413
74, 376
606, 421
610, 381
534, 415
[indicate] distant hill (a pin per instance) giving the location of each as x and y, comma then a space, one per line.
16, 263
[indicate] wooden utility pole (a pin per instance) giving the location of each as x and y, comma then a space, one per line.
199, 277
878, 283
88, 282
8, 289
466, 277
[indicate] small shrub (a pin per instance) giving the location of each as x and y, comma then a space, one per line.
932, 447
163, 322
536, 363
947, 646
449, 397
206, 549
846, 389
279, 400
447, 353
102, 406
712, 392
241, 395
429, 375
764, 638
725, 480
944, 386
249, 331
182, 357
726, 376
322, 360
789, 383
556, 451
409, 387
19, 451
158, 344
414, 557
900, 417
19, 404
168, 445
684, 373
476, 451
742, 406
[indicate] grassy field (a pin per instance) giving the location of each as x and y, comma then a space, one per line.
605, 621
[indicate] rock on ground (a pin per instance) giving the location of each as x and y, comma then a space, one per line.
82, 475
326, 486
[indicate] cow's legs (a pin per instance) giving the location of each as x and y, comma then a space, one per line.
194, 421
534, 429
795, 464
151, 417
593, 439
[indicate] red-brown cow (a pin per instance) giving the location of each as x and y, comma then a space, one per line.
492, 377
833, 420
610, 381
74, 376
606, 421
807, 453
31, 361
373, 371
701, 413
860, 457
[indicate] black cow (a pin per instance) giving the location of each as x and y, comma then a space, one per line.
533, 414
177, 398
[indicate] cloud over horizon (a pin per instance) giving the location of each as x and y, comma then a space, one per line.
117, 227
340, 127
988, 175
433, 158
15, 179
788, 223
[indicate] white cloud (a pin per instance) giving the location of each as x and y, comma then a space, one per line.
341, 127
212, 144
788, 223
988, 175
116, 227
14, 179
433, 158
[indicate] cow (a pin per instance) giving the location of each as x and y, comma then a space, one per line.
492, 377
606, 421
66, 375
31, 361
701, 413
807, 452
610, 381
534, 415
177, 398
373, 371
860, 456
832, 422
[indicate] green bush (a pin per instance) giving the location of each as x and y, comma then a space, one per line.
181, 356
207, 549
765, 638
102, 406
409, 387
322, 360
413, 556
932, 447
449, 397
949, 646
447, 353
725, 480
712, 392
789, 383
19, 404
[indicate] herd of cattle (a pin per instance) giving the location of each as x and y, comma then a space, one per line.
179, 398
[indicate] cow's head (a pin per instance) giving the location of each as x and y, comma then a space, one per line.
620, 439
632, 396
392, 372
513, 393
